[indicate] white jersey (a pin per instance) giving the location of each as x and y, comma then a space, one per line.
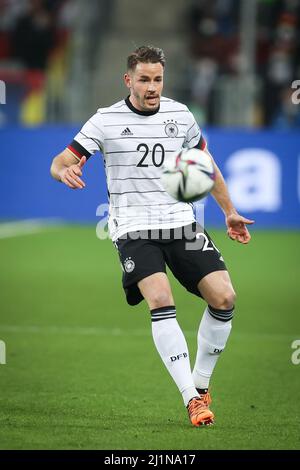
134, 145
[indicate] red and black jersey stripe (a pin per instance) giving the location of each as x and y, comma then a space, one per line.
78, 150
201, 144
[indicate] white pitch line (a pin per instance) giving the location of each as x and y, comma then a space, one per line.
98, 331
26, 227
70, 330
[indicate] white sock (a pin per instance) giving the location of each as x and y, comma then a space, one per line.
214, 330
171, 345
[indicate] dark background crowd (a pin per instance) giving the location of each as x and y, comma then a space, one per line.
36, 37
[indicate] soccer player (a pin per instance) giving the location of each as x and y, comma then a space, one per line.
135, 135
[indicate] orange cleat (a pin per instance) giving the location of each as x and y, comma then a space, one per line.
199, 413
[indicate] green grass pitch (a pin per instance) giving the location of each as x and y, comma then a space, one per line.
82, 372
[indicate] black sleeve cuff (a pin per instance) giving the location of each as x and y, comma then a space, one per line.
78, 150
201, 144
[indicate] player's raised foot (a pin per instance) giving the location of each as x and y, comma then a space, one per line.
199, 412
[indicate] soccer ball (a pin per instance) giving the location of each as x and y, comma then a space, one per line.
188, 175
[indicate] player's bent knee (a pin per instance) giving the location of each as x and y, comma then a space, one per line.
161, 299
229, 299
226, 300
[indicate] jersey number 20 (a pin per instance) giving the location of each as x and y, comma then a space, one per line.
158, 155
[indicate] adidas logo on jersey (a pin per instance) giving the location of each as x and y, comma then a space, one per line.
126, 131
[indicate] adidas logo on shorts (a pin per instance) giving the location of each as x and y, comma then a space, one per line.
127, 131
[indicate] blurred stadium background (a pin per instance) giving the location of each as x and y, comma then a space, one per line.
81, 370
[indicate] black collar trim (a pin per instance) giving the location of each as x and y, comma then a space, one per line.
137, 111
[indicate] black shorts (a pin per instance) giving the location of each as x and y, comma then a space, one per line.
188, 251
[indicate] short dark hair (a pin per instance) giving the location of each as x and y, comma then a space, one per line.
146, 54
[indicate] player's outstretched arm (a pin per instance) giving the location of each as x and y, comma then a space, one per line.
68, 170
236, 228
236, 223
